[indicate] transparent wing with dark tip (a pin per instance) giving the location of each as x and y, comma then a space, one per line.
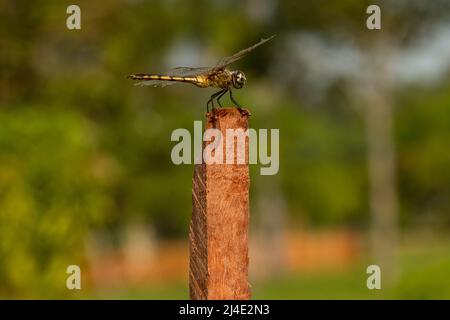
239, 55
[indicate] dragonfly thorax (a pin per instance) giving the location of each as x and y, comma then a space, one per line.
238, 79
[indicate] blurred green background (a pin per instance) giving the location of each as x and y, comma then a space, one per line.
85, 171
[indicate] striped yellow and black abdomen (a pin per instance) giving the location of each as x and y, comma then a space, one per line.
157, 77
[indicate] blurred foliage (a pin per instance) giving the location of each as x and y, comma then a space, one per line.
423, 131
82, 149
52, 189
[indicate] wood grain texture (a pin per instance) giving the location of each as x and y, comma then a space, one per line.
220, 219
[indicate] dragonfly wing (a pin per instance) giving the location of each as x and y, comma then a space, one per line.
155, 83
188, 71
229, 60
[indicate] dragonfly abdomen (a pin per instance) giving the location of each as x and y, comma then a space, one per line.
157, 77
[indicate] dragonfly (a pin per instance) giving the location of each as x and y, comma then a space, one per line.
218, 76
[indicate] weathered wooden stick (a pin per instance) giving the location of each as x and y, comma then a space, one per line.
220, 218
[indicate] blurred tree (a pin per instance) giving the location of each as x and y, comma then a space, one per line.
370, 80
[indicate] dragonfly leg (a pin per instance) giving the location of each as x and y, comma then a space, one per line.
234, 101
220, 96
207, 105
239, 107
211, 100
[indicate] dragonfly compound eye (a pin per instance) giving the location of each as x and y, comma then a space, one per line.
239, 79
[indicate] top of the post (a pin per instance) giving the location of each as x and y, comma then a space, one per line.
230, 117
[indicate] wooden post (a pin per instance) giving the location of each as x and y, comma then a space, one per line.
219, 225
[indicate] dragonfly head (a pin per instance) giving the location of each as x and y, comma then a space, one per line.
238, 78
